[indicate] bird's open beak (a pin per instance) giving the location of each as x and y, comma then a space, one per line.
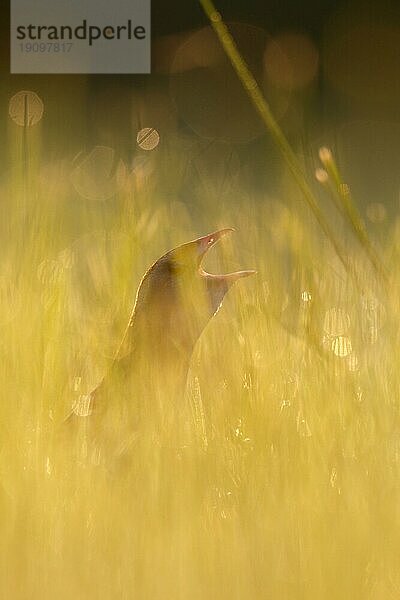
208, 241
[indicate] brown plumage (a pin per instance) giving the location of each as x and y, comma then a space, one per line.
174, 302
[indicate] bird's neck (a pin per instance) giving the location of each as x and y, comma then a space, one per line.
150, 363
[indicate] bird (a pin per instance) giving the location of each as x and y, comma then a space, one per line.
175, 300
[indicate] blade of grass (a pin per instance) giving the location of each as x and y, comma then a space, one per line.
347, 207
257, 97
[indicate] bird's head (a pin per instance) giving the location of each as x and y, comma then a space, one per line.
177, 297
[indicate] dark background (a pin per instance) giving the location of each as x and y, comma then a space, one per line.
87, 110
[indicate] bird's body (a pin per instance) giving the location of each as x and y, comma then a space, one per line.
146, 381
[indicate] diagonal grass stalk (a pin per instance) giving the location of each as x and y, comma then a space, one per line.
250, 84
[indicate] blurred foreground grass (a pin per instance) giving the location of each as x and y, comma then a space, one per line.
287, 483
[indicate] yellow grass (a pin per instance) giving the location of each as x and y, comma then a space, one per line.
282, 482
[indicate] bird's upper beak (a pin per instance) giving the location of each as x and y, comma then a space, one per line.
208, 241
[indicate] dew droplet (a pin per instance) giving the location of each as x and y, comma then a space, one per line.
247, 381
333, 477
303, 428
325, 155
359, 394
321, 176
306, 296
285, 404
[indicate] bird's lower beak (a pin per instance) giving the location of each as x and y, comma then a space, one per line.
232, 277
207, 242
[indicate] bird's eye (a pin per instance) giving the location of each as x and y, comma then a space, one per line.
211, 241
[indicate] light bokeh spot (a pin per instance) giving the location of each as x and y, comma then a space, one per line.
321, 176
376, 212
98, 175
336, 322
353, 363
148, 138
26, 108
291, 61
325, 155
341, 346
83, 406
206, 90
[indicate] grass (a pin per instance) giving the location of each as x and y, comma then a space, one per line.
282, 481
